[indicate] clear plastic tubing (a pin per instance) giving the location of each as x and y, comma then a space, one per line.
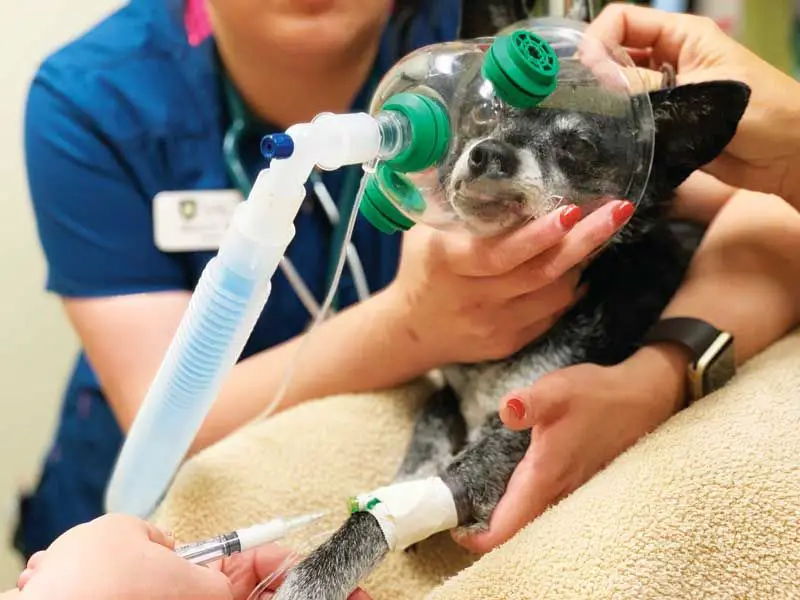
230, 295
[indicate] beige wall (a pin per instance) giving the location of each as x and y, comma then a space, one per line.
37, 346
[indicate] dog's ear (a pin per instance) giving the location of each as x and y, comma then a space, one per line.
694, 123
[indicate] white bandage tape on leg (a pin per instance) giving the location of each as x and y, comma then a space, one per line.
411, 511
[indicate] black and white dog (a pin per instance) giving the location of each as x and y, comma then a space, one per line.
459, 436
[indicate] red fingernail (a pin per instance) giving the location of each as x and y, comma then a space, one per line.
622, 212
516, 406
570, 216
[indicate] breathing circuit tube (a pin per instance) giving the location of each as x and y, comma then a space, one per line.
235, 286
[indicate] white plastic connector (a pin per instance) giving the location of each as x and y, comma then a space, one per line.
346, 139
412, 511
329, 141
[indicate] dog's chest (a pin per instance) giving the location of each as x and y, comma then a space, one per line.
481, 387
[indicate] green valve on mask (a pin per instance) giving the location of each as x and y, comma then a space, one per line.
377, 205
430, 131
523, 68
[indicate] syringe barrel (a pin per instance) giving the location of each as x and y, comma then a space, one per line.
205, 551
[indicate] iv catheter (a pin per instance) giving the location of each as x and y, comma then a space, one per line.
241, 540
235, 285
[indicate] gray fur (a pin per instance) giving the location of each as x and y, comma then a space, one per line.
439, 432
334, 569
481, 385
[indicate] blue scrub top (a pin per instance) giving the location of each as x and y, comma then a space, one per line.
125, 111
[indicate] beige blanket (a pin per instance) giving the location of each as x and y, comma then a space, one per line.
708, 506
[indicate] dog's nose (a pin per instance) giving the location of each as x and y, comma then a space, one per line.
493, 158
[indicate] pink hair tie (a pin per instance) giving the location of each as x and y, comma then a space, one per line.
196, 21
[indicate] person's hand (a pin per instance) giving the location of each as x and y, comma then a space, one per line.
118, 556
765, 150
468, 299
581, 418
121, 557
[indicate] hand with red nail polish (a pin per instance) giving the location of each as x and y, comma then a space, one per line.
468, 299
581, 418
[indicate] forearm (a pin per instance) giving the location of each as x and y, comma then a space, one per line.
701, 197
364, 348
11, 595
743, 279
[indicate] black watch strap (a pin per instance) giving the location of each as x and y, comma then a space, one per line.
695, 335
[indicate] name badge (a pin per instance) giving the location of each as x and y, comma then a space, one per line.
193, 220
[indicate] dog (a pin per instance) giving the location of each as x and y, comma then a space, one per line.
504, 174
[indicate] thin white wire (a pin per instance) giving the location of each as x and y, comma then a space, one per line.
353, 259
325, 305
299, 286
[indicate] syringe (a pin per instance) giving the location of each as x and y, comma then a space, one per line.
241, 540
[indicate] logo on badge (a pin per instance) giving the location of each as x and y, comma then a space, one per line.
188, 209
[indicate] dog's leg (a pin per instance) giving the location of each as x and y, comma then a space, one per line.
478, 476
439, 432
333, 571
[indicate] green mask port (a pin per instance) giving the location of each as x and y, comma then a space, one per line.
430, 131
377, 205
522, 67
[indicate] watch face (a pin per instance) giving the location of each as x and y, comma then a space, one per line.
720, 370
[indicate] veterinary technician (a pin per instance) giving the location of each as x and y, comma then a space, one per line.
117, 556
164, 99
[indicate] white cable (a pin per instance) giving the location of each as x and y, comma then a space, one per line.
353, 259
357, 269
287, 378
300, 288
359, 278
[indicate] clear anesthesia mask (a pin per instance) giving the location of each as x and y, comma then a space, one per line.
506, 129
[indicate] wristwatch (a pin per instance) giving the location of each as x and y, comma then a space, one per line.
712, 361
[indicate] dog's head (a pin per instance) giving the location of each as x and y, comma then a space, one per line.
539, 158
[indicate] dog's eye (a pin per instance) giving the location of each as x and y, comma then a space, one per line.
574, 147
480, 120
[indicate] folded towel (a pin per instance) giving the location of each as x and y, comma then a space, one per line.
708, 506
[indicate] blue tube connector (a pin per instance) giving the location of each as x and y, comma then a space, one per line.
277, 145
